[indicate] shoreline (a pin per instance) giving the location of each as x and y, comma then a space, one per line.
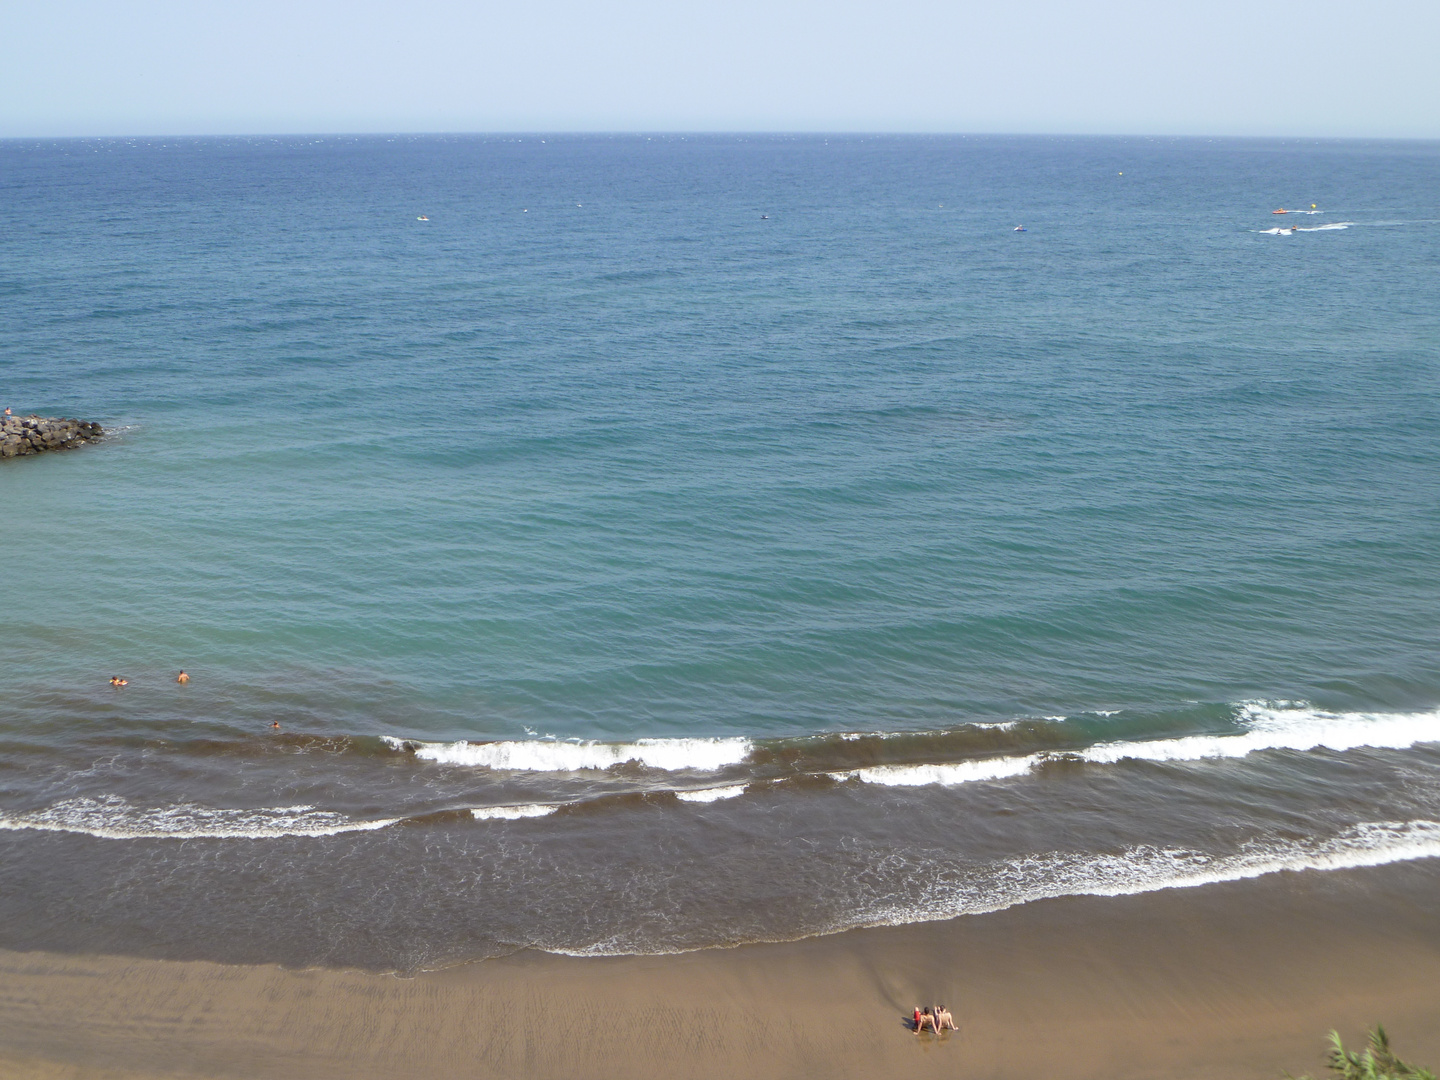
1233, 980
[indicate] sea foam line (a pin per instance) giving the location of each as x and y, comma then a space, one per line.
553, 755
1140, 869
1152, 869
1268, 726
113, 818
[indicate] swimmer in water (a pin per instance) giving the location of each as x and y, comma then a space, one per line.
182, 677
114, 680
275, 725
122, 682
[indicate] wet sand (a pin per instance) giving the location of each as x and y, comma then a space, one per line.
1235, 980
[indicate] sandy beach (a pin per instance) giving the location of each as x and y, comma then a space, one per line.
1233, 980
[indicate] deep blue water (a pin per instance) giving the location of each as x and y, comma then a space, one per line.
740, 438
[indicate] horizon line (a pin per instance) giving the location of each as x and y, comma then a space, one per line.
717, 133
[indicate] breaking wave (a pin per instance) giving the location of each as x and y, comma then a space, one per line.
1267, 726
709, 795
554, 755
964, 755
960, 772
513, 813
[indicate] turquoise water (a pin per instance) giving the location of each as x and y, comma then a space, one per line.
753, 439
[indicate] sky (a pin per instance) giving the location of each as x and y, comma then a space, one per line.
1209, 67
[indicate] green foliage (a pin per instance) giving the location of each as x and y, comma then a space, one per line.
1377, 1063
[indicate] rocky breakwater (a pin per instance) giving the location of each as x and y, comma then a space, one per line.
21, 435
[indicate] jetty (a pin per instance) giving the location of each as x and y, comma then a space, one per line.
21, 435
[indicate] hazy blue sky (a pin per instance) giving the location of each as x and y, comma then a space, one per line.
1124, 66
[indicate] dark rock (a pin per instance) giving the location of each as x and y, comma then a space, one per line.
21, 436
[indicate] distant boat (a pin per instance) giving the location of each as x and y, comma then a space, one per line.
1282, 210
422, 217
1020, 228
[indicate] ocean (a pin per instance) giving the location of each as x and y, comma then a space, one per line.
649, 544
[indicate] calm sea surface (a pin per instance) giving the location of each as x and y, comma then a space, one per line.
659, 543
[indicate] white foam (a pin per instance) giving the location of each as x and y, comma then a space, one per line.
113, 818
709, 795
553, 755
960, 772
1268, 726
512, 813
1327, 226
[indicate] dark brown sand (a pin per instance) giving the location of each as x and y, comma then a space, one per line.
1236, 981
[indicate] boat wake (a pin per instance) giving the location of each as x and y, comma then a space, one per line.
1290, 230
